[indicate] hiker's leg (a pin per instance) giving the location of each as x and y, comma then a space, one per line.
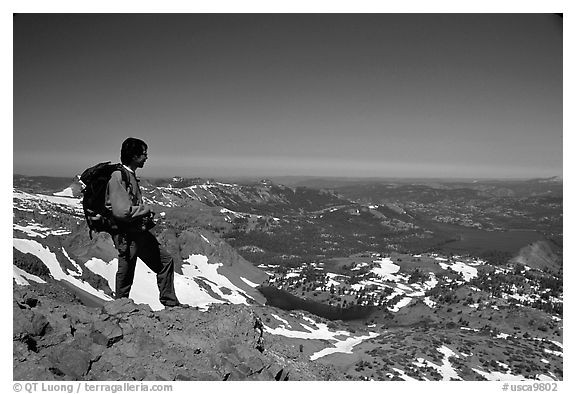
162, 263
127, 252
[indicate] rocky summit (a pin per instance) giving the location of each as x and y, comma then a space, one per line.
55, 337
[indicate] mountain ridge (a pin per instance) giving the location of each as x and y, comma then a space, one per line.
440, 316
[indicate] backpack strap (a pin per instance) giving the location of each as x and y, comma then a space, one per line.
126, 180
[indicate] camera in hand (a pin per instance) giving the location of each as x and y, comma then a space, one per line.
147, 222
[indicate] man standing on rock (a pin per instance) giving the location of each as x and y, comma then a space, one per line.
134, 219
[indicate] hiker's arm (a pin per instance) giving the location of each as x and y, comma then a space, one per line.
120, 201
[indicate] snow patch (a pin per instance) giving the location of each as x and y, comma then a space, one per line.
145, 289
321, 332
280, 319
431, 282
332, 280
51, 262
446, 370
402, 303
554, 352
249, 283
429, 302
69, 202
199, 267
499, 375
36, 230
68, 192
22, 277
78, 268
386, 269
544, 377
403, 375
467, 271
344, 346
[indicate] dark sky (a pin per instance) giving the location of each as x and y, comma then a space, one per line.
391, 95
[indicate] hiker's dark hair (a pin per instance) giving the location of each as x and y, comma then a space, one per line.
131, 147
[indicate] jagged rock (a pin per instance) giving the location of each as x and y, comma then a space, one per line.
123, 305
281, 375
27, 322
226, 346
182, 377
19, 351
53, 339
71, 361
139, 344
35, 372
106, 333
197, 375
255, 364
30, 301
85, 342
124, 341
139, 374
264, 375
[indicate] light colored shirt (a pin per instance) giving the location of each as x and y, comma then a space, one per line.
125, 206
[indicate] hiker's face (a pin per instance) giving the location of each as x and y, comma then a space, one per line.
140, 160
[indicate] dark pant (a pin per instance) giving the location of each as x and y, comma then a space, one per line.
144, 245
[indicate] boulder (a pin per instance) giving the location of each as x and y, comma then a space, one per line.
73, 362
122, 305
106, 332
27, 322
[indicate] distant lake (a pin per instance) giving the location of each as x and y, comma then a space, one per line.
475, 240
287, 301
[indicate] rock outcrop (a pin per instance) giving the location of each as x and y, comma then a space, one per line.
539, 255
56, 338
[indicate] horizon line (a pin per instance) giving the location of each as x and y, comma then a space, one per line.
327, 177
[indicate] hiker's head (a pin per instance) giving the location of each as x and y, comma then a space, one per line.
133, 149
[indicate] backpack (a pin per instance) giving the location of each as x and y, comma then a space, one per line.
95, 181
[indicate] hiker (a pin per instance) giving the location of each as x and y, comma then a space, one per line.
133, 238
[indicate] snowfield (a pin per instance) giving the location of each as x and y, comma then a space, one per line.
50, 261
402, 303
321, 332
344, 346
34, 201
387, 269
199, 267
446, 370
191, 287
200, 284
465, 270
36, 230
468, 272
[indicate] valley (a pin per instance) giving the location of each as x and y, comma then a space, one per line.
377, 280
